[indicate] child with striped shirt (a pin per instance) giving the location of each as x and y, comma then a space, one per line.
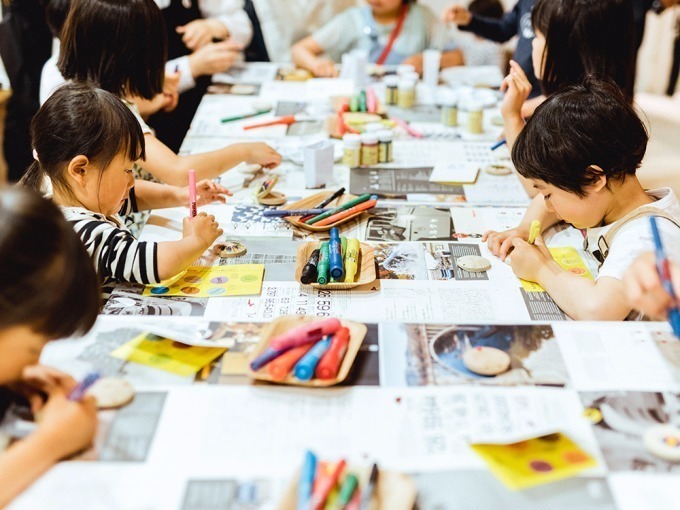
86, 142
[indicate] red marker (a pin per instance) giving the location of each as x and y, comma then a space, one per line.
348, 212
325, 486
192, 193
281, 366
310, 332
330, 363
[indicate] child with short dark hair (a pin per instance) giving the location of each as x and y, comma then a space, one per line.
48, 290
86, 142
581, 150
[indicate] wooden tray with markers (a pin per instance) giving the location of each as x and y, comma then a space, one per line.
365, 269
311, 202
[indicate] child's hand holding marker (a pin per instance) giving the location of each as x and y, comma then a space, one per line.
529, 259
203, 228
644, 288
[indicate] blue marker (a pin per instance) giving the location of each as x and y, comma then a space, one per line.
664, 270
304, 369
79, 391
498, 144
306, 483
335, 255
268, 355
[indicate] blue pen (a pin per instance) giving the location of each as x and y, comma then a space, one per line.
268, 213
304, 369
79, 391
268, 355
498, 144
335, 255
664, 270
306, 483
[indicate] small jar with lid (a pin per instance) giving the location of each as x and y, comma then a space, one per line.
407, 94
351, 150
369, 149
385, 138
391, 89
475, 118
449, 113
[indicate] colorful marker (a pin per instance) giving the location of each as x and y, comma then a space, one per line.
329, 365
282, 213
348, 212
279, 368
343, 245
79, 391
534, 231
664, 270
304, 369
325, 486
352, 260
371, 101
362, 101
498, 144
263, 359
349, 486
309, 272
340, 208
305, 333
306, 483
245, 116
325, 202
335, 255
192, 193
324, 265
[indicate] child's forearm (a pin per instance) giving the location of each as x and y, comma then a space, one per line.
153, 195
174, 257
24, 462
538, 211
581, 298
303, 57
452, 58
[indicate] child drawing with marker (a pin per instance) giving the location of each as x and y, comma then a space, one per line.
48, 290
580, 151
86, 142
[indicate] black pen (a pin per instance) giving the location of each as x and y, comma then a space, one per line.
324, 203
367, 494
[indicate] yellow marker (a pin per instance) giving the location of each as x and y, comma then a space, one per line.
534, 230
351, 259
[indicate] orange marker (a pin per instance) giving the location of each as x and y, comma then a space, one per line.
287, 119
325, 486
281, 366
369, 204
330, 362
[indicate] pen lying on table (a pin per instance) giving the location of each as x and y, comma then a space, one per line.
281, 213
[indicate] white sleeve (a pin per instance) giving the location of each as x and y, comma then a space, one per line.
186, 78
50, 79
633, 240
232, 15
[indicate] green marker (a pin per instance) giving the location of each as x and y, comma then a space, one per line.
354, 104
324, 264
349, 486
343, 246
362, 101
340, 208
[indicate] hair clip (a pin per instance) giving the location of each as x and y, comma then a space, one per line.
35, 155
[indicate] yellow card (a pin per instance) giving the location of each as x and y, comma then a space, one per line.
536, 461
166, 354
216, 281
569, 259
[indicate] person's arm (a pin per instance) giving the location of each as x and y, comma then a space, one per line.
498, 30
183, 67
644, 289
65, 427
452, 58
530, 105
580, 298
232, 16
152, 195
170, 168
307, 55
500, 243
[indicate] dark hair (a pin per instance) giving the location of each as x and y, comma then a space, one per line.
49, 282
55, 15
80, 119
487, 8
118, 45
586, 37
582, 125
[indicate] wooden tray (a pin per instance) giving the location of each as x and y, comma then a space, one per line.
365, 270
393, 491
311, 201
280, 325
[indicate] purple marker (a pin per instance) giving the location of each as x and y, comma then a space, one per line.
79, 391
268, 355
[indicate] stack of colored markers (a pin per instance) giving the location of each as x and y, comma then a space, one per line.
317, 348
315, 488
361, 203
335, 261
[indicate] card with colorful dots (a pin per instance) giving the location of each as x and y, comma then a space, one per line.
216, 281
536, 461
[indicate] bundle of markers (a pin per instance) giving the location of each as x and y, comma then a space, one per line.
336, 489
335, 261
314, 349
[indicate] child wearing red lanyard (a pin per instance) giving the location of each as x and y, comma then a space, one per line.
391, 31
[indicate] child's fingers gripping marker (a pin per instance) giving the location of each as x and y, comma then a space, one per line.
534, 231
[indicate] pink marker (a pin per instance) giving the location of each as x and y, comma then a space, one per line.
307, 333
371, 101
413, 132
192, 193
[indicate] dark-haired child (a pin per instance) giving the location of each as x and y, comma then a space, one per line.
580, 151
126, 53
48, 290
86, 142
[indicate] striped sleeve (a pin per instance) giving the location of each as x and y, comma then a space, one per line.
117, 255
130, 204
